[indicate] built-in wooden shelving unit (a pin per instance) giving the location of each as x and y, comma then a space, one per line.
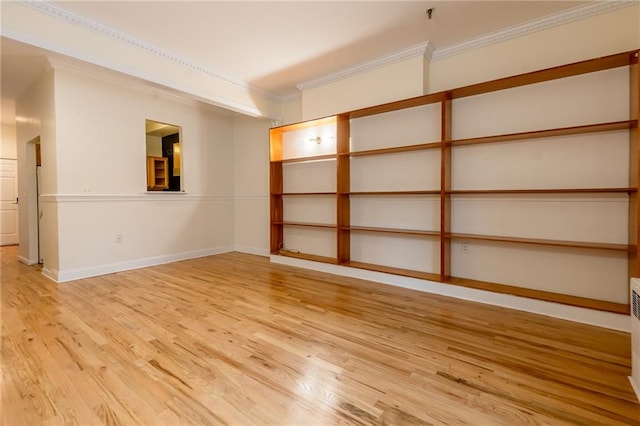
157, 173
357, 211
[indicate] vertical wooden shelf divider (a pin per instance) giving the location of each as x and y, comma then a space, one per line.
634, 164
343, 202
445, 187
275, 191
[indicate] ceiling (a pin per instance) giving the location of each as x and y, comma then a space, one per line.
275, 46
154, 128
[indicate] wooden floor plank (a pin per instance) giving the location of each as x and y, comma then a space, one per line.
233, 339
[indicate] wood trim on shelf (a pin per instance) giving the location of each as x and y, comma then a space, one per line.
309, 159
391, 193
343, 185
396, 149
627, 190
392, 270
544, 242
293, 194
634, 167
446, 132
393, 230
276, 206
275, 145
307, 256
537, 134
307, 224
582, 302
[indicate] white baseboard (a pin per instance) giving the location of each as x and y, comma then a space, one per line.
27, 261
636, 387
52, 274
251, 250
76, 274
556, 310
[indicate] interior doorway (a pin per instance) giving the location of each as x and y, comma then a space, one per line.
38, 192
32, 228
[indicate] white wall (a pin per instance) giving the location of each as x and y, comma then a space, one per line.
95, 185
291, 111
386, 84
101, 188
8, 141
251, 183
595, 36
35, 114
600, 35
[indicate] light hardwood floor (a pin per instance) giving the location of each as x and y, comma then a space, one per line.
233, 339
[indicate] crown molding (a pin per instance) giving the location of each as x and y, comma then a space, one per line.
550, 21
425, 49
177, 89
432, 54
131, 82
48, 8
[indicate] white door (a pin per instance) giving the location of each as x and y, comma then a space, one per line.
8, 202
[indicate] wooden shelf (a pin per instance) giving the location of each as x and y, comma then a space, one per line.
627, 190
307, 256
293, 194
308, 159
562, 131
618, 308
537, 241
391, 270
392, 193
306, 224
396, 149
392, 230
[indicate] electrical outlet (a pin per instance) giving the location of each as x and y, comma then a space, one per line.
118, 238
465, 248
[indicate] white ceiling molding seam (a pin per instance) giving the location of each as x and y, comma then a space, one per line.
48, 8
423, 48
291, 97
550, 21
